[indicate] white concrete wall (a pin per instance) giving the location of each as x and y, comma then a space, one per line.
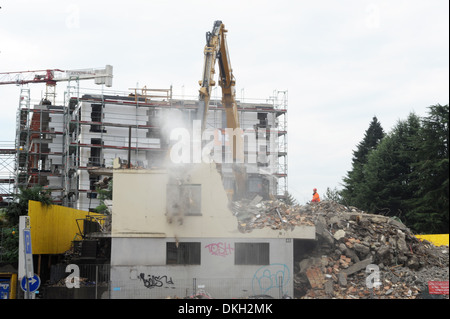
141, 229
139, 270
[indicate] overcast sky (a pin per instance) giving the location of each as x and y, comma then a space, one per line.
342, 62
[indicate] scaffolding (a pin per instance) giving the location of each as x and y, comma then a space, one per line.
69, 149
7, 157
38, 132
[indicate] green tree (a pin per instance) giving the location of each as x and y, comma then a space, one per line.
334, 195
104, 192
19, 206
288, 199
352, 183
387, 172
429, 211
9, 244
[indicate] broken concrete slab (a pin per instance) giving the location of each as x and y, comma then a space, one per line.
339, 234
362, 250
342, 279
329, 287
358, 266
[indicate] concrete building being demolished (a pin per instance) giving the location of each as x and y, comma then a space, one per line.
174, 225
68, 149
257, 248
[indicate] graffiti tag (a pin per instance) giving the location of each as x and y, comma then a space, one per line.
155, 281
267, 278
220, 249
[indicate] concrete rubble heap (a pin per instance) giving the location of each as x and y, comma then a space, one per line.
275, 214
352, 248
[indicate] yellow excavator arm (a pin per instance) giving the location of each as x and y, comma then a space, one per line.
216, 48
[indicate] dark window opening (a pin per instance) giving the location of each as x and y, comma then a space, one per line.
251, 254
96, 116
94, 160
182, 253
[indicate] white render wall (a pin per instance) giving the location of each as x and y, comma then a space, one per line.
139, 270
141, 229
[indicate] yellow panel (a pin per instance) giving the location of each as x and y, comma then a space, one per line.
53, 228
437, 240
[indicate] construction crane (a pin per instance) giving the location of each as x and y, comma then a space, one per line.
216, 49
51, 76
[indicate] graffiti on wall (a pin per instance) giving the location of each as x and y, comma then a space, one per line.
155, 281
271, 280
221, 249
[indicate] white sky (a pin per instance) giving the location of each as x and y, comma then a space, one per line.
342, 62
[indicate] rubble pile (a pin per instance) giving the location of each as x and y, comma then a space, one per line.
275, 214
361, 255
356, 254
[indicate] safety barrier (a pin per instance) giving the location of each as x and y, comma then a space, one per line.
437, 239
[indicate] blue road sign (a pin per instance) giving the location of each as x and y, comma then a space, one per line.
34, 283
27, 239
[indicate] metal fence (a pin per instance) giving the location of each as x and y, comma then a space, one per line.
95, 283
194, 288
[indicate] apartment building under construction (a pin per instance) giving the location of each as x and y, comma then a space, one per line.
71, 149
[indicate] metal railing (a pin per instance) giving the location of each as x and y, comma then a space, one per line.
95, 283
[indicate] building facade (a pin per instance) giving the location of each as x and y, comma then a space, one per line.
70, 149
178, 246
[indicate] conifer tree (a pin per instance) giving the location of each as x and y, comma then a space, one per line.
429, 211
388, 170
355, 178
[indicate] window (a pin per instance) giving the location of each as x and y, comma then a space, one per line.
96, 116
262, 117
182, 253
183, 200
94, 160
251, 254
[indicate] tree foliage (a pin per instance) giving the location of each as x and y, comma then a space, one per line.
334, 195
355, 179
430, 203
405, 175
388, 170
9, 245
288, 199
19, 206
104, 193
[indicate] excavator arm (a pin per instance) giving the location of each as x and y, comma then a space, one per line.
216, 48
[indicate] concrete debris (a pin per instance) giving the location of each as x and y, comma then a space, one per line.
356, 255
362, 249
275, 214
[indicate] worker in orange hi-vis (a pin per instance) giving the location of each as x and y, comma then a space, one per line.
316, 197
